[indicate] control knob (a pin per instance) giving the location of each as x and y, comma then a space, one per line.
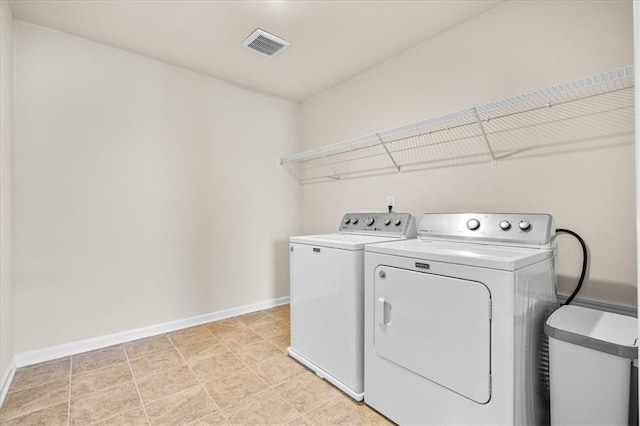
525, 226
369, 221
397, 222
473, 224
355, 221
505, 225
346, 221
387, 221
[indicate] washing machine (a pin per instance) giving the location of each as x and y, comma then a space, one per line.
454, 320
327, 295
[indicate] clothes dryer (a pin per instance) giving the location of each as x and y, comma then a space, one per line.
454, 320
327, 295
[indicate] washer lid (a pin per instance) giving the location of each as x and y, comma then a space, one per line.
341, 241
484, 256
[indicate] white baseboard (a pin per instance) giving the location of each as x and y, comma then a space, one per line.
59, 351
6, 380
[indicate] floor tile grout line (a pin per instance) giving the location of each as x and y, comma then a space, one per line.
149, 355
258, 362
247, 366
151, 401
270, 339
200, 382
268, 359
320, 404
272, 388
144, 354
269, 387
340, 393
69, 400
35, 386
285, 401
11, 390
32, 411
105, 419
135, 382
96, 393
236, 372
276, 318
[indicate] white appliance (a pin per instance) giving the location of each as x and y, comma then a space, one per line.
327, 295
454, 320
591, 354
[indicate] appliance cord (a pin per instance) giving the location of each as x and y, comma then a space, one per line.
585, 258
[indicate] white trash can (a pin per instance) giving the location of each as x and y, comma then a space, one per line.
590, 366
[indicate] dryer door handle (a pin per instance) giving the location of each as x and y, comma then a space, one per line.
381, 311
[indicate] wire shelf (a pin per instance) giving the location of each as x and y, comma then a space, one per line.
582, 114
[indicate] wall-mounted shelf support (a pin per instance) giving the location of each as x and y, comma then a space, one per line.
388, 153
335, 176
285, 165
494, 161
590, 113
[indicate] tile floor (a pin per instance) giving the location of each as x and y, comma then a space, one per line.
233, 371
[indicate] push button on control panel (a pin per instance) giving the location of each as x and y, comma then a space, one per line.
473, 224
525, 225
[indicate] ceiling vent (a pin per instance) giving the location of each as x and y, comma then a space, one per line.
265, 43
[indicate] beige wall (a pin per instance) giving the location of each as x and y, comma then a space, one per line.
144, 193
514, 48
6, 127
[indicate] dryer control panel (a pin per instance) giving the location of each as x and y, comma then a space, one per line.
526, 229
399, 224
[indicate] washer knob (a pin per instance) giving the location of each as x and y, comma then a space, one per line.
387, 221
346, 221
355, 221
505, 225
397, 222
473, 224
369, 221
525, 226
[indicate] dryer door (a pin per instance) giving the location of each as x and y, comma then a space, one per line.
437, 327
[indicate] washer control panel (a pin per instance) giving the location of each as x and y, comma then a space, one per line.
401, 224
508, 228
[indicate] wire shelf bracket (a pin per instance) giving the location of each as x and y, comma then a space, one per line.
388, 153
335, 176
494, 161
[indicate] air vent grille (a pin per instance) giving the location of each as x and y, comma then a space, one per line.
265, 43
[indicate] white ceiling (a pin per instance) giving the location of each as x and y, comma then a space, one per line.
330, 40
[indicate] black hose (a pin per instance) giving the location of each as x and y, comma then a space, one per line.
585, 258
